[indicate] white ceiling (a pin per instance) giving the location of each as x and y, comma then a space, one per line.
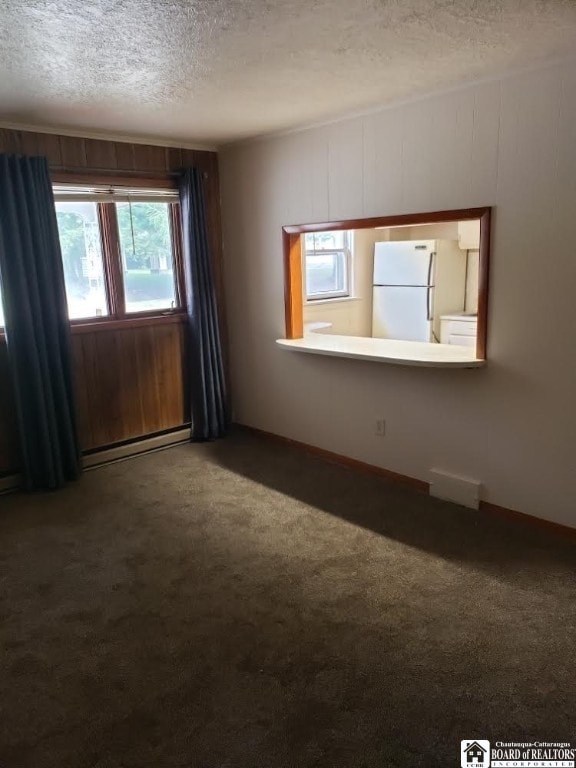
216, 71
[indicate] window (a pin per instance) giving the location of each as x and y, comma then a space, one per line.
120, 251
327, 265
81, 247
146, 249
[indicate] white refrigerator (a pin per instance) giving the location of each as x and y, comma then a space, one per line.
403, 290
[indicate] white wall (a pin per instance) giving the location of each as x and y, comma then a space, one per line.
472, 279
447, 230
512, 425
346, 317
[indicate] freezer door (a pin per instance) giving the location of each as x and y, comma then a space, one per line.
402, 313
403, 263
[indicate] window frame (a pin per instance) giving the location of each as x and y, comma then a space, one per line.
118, 318
113, 272
112, 257
346, 250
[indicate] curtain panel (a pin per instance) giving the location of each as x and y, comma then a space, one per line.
208, 397
36, 323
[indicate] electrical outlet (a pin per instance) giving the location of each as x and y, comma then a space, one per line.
380, 430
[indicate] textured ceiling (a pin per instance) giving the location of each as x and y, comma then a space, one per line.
215, 71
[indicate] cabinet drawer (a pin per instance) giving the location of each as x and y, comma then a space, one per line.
462, 341
461, 327
458, 326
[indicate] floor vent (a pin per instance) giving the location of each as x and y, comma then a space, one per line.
460, 490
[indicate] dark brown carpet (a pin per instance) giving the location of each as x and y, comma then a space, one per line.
240, 605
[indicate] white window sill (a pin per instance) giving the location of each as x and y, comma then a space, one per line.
416, 353
335, 300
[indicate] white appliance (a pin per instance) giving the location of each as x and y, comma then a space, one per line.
415, 283
403, 290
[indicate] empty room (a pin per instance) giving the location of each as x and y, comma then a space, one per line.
287, 421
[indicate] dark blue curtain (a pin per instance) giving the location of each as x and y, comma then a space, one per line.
36, 323
210, 418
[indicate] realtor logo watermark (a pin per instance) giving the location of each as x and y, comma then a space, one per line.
477, 753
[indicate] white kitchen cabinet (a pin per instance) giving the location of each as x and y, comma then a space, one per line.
469, 235
459, 329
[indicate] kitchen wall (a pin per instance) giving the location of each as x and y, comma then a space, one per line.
350, 317
472, 275
512, 425
445, 230
364, 240
343, 316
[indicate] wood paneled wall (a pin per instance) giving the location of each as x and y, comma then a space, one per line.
135, 376
130, 382
70, 153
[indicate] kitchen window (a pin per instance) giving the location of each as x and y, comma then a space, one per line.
327, 260
120, 251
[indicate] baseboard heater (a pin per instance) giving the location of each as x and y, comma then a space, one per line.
128, 450
114, 453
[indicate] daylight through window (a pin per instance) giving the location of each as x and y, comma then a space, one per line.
147, 256
81, 247
327, 265
119, 251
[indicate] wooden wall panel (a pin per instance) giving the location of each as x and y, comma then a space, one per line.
130, 383
100, 154
124, 156
39, 144
174, 155
73, 152
153, 158
76, 154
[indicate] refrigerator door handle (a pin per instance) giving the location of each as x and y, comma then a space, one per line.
429, 284
430, 265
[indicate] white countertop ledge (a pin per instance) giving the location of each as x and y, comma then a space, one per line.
417, 353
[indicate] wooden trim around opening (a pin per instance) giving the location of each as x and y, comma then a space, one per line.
483, 276
293, 286
411, 482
